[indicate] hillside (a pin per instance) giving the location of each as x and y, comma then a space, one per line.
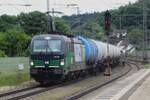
129, 17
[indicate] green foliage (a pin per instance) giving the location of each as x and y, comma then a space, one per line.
33, 22
79, 20
2, 53
136, 37
90, 29
16, 31
36, 23
3, 41
7, 22
17, 40
135, 33
62, 26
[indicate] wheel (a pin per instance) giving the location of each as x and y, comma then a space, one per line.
42, 83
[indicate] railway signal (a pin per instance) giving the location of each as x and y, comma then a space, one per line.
107, 31
107, 22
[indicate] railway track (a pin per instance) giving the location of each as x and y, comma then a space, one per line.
26, 92
30, 91
140, 60
17, 91
33, 90
89, 90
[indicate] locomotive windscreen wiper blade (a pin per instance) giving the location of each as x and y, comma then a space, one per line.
49, 49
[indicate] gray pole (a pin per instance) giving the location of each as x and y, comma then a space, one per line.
48, 5
78, 10
108, 71
108, 46
144, 29
48, 20
50, 26
120, 18
53, 20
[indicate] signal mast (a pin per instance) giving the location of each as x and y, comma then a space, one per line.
107, 27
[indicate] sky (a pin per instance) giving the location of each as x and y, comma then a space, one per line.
12, 7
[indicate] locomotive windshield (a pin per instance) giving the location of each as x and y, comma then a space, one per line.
47, 45
54, 45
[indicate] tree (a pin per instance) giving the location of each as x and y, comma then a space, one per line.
3, 44
90, 29
136, 37
33, 22
62, 26
18, 41
7, 22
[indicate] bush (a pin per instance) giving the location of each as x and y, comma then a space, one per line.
2, 53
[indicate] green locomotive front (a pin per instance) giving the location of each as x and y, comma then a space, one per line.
54, 57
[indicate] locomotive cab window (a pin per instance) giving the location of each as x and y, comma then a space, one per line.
52, 45
39, 46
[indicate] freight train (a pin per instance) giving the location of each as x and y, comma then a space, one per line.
59, 57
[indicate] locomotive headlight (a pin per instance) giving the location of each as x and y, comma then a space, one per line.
46, 62
31, 63
62, 62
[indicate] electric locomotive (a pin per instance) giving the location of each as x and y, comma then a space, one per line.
60, 57
55, 57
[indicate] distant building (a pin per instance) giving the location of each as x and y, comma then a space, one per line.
119, 33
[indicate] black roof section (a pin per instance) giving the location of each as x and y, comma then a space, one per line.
61, 33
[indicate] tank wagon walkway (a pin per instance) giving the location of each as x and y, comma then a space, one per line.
134, 87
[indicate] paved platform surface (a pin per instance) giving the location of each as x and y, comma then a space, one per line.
142, 92
124, 89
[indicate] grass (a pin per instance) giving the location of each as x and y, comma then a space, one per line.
13, 79
10, 75
147, 66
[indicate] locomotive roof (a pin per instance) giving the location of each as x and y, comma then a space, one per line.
65, 38
43, 36
47, 35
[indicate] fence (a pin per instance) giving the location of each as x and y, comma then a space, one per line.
14, 70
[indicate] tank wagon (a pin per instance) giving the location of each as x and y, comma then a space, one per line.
57, 57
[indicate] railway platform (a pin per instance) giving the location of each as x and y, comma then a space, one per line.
142, 92
133, 87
